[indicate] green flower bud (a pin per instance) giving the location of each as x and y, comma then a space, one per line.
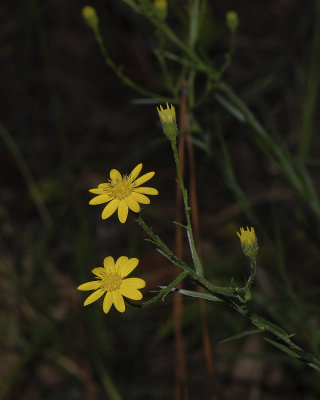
161, 7
90, 15
232, 21
248, 242
168, 120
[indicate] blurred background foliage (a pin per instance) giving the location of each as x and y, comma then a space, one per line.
66, 120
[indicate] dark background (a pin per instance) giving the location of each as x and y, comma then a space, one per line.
66, 120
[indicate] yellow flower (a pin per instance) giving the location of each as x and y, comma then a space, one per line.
167, 115
110, 282
248, 241
168, 120
122, 193
247, 237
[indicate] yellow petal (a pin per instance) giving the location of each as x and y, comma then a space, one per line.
107, 302
97, 191
140, 198
93, 285
144, 178
108, 264
94, 296
133, 283
119, 262
135, 172
128, 266
146, 190
98, 271
122, 211
110, 208
132, 204
115, 175
102, 198
133, 294
118, 301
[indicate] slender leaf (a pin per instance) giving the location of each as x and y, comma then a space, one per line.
314, 366
230, 107
191, 293
285, 349
241, 335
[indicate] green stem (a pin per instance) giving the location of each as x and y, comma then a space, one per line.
121, 75
199, 279
195, 257
151, 15
163, 293
253, 265
301, 183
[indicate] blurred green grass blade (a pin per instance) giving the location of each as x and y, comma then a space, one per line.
231, 181
194, 22
230, 107
312, 92
133, 5
283, 348
154, 101
241, 335
270, 147
309, 189
25, 172
314, 366
192, 293
38, 344
108, 384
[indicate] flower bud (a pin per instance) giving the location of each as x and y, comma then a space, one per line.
248, 242
232, 21
90, 15
168, 120
161, 7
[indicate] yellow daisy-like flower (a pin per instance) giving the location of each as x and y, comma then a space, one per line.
248, 241
110, 281
123, 192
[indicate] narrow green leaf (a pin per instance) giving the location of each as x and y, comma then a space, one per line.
191, 293
314, 366
154, 100
230, 107
242, 334
285, 349
194, 17
261, 322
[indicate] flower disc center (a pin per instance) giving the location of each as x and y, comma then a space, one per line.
111, 281
121, 189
